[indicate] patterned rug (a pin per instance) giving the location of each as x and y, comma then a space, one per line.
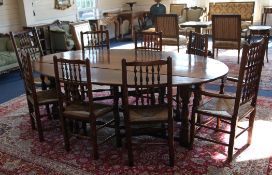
22, 153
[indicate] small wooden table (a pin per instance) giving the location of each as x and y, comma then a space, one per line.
106, 69
196, 24
259, 30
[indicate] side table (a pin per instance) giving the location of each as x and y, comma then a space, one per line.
259, 31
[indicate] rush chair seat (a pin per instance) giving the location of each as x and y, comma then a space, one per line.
231, 109
145, 111
77, 106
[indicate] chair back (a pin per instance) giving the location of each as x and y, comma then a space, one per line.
26, 41
198, 44
75, 78
148, 41
250, 73
145, 77
226, 27
177, 9
168, 25
95, 39
27, 75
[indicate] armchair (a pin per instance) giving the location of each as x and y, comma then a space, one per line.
232, 109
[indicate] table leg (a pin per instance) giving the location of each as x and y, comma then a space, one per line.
184, 134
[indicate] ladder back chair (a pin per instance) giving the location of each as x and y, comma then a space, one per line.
231, 109
226, 33
74, 87
148, 41
197, 44
35, 98
28, 41
144, 78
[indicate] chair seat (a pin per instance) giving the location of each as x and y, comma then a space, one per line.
38, 81
149, 114
81, 110
173, 41
150, 30
45, 97
224, 108
228, 44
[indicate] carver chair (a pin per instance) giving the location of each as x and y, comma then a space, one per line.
76, 103
168, 25
148, 41
35, 98
231, 109
28, 41
226, 33
144, 79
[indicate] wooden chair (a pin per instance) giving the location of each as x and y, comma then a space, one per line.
95, 39
198, 44
35, 99
76, 102
226, 32
168, 25
231, 109
145, 77
28, 41
177, 9
148, 41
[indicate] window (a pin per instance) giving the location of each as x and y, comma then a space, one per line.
86, 9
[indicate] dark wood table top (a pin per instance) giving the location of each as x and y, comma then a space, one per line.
106, 65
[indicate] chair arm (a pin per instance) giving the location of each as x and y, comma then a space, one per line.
210, 94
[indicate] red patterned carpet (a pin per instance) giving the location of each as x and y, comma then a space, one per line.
22, 153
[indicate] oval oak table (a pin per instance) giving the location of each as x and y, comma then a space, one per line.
188, 70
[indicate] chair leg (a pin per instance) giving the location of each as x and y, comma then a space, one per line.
65, 133
115, 93
31, 110
171, 143
231, 140
39, 123
94, 139
238, 56
129, 145
251, 124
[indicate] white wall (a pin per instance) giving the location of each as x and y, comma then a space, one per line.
9, 16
